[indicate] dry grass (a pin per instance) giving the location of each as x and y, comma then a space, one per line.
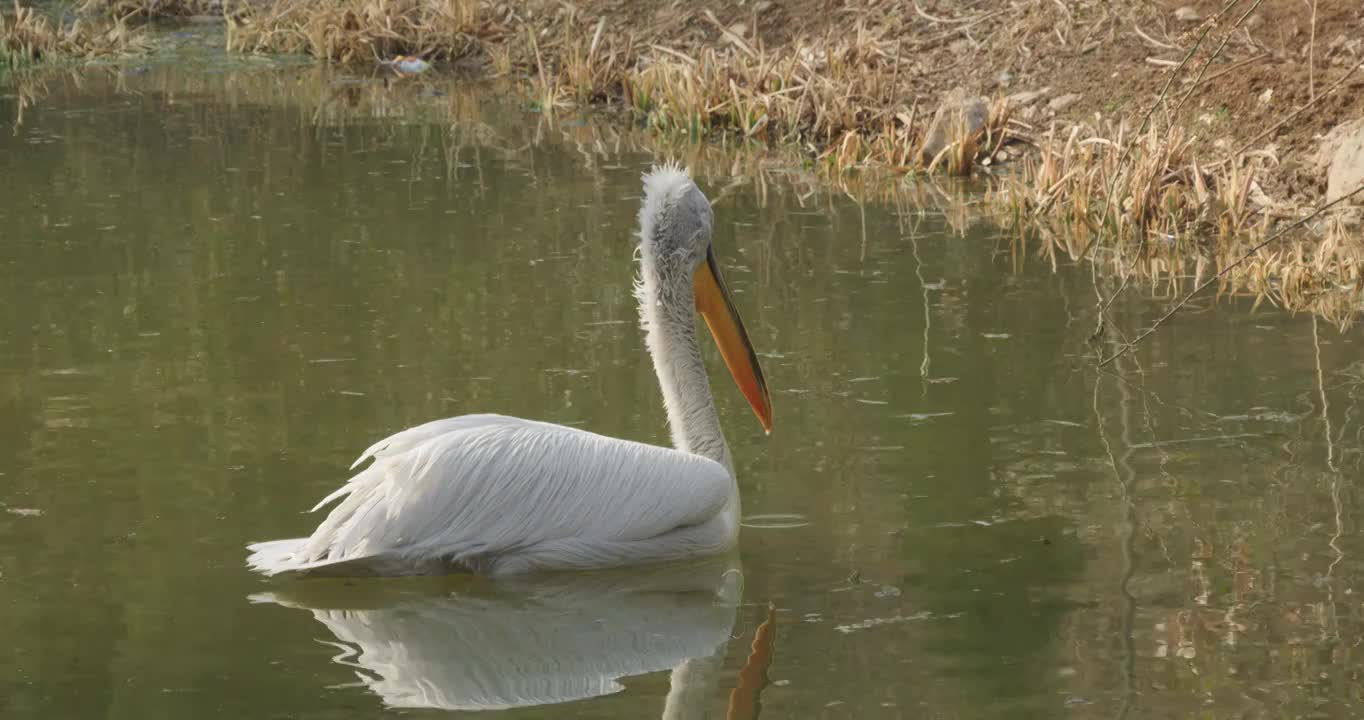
1155, 193
1157, 214
148, 9
28, 37
1148, 204
358, 30
839, 97
1144, 204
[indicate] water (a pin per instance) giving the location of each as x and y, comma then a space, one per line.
216, 289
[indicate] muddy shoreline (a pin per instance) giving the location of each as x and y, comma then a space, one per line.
1177, 136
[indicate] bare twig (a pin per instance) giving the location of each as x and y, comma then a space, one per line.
1300, 110
675, 53
946, 21
1105, 303
1122, 159
966, 25
1145, 118
1152, 41
729, 35
1213, 58
1236, 66
1312, 56
1222, 273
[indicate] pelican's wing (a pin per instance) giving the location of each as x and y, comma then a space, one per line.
412, 437
474, 489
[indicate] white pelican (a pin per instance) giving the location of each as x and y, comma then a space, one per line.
496, 494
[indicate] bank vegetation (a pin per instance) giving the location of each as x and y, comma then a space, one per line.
1163, 143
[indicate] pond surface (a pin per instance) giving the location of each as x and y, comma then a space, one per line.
215, 290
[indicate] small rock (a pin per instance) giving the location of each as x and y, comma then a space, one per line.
1266, 96
1187, 14
1028, 97
958, 118
408, 65
1343, 152
762, 7
1258, 197
1062, 102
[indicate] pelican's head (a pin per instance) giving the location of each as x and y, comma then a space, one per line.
678, 271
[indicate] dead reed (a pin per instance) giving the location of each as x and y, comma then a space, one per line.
1145, 202
1159, 194
358, 30
1156, 213
27, 37
838, 97
149, 9
1141, 202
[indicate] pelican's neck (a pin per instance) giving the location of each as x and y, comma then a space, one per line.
667, 312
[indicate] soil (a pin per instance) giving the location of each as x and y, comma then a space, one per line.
1270, 66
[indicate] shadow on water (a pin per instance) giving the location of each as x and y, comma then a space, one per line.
216, 288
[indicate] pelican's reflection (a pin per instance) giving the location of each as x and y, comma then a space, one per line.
484, 644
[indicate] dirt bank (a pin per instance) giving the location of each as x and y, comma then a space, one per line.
1060, 62
1175, 134
1250, 63
1177, 137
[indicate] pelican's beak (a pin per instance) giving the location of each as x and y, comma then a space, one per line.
715, 305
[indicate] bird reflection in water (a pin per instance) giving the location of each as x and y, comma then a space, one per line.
467, 643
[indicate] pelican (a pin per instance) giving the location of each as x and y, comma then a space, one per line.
493, 494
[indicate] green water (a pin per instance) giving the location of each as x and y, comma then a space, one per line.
216, 290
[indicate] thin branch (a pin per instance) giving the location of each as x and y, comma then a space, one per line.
945, 21
1222, 273
1300, 110
1117, 170
1226, 37
1312, 56
1152, 41
1122, 159
1103, 308
1236, 66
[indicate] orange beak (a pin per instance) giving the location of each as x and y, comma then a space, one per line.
715, 305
